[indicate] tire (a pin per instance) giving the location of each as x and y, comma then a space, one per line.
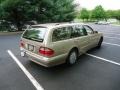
100, 42
72, 57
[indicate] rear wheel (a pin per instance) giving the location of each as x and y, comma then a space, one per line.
72, 57
100, 42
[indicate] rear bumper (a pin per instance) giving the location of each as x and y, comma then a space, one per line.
44, 61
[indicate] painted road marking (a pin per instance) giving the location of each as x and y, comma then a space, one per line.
111, 44
111, 34
103, 59
115, 33
31, 78
112, 37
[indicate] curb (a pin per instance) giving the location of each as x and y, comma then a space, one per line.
10, 33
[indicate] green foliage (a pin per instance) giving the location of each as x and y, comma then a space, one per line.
98, 13
20, 11
110, 13
57, 11
117, 15
84, 14
113, 14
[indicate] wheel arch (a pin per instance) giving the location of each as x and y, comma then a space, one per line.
76, 49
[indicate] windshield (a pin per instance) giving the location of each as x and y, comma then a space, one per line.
36, 34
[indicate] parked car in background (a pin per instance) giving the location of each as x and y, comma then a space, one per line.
53, 44
102, 23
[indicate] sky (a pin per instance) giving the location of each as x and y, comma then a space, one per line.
107, 4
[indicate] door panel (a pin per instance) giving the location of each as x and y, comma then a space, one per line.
83, 43
81, 39
62, 47
93, 37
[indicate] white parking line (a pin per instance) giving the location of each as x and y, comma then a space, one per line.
103, 59
115, 33
112, 37
111, 44
111, 34
31, 78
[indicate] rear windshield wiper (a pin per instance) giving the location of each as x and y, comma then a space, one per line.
35, 39
26, 37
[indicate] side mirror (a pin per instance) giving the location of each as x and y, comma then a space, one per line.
95, 31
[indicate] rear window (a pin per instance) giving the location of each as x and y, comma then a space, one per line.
35, 34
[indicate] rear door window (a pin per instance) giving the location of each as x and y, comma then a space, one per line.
77, 31
60, 34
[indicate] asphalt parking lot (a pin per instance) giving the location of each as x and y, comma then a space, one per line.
99, 69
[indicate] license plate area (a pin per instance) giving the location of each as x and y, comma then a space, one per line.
30, 47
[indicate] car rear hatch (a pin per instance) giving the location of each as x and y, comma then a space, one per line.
33, 39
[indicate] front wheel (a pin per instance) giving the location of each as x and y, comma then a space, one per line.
72, 57
100, 42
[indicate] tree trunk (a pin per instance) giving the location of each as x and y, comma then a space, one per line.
19, 26
17, 19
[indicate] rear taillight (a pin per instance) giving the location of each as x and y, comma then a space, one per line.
22, 43
46, 51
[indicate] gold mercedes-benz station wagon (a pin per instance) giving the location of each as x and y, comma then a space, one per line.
57, 43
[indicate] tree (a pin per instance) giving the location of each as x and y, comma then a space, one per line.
117, 15
98, 13
84, 14
1, 10
20, 11
57, 10
113, 14
13, 11
110, 13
